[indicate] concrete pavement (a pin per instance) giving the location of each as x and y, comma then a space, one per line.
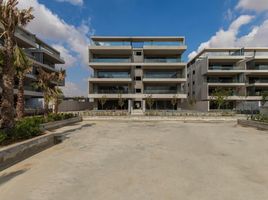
145, 160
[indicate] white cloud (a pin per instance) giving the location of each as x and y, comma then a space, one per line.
71, 89
225, 38
74, 2
257, 37
255, 5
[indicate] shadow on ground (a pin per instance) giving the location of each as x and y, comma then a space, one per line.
8, 176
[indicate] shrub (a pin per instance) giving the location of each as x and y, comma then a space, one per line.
3, 136
29, 127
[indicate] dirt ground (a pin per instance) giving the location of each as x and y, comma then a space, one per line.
145, 160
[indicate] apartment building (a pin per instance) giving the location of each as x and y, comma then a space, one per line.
42, 55
137, 68
243, 72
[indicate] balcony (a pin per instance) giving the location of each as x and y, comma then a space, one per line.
258, 67
162, 60
163, 77
118, 74
256, 93
111, 77
110, 91
111, 60
261, 80
111, 43
162, 90
224, 67
162, 74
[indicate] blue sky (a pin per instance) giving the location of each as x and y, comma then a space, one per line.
68, 24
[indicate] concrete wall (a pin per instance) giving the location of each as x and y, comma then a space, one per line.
67, 106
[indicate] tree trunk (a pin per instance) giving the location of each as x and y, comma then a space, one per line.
56, 108
7, 105
46, 105
20, 101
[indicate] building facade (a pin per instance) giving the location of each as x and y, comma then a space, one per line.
133, 69
42, 55
243, 72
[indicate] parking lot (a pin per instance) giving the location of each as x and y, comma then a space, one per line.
116, 160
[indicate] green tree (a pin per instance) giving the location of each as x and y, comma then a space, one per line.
57, 92
219, 96
264, 98
191, 101
174, 101
57, 96
103, 101
121, 101
10, 17
23, 66
150, 101
44, 83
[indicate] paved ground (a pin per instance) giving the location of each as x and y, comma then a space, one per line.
146, 160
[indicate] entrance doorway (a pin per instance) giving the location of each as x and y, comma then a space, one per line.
137, 105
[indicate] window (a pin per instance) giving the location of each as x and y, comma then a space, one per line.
138, 53
138, 67
138, 90
193, 92
188, 84
188, 75
193, 72
138, 78
193, 82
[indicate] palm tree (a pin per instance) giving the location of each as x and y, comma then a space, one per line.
57, 92
44, 83
23, 66
10, 17
57, 98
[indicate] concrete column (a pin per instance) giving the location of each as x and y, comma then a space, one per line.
143, 105
129, 106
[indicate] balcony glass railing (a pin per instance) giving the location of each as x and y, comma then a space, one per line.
161, 90
264, 80
256, 93
223, 81
157, 91
123, 43
112, 75
24, 34
111, 91
162, 75
220, 67
159, 43
231, 93
258, 67
111, 60
140, 44
30, 88
162, 60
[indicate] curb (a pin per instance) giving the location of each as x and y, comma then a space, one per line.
254, 124
15, 153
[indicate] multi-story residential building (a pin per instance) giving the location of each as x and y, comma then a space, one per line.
134, 68
42, 55
243, 72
